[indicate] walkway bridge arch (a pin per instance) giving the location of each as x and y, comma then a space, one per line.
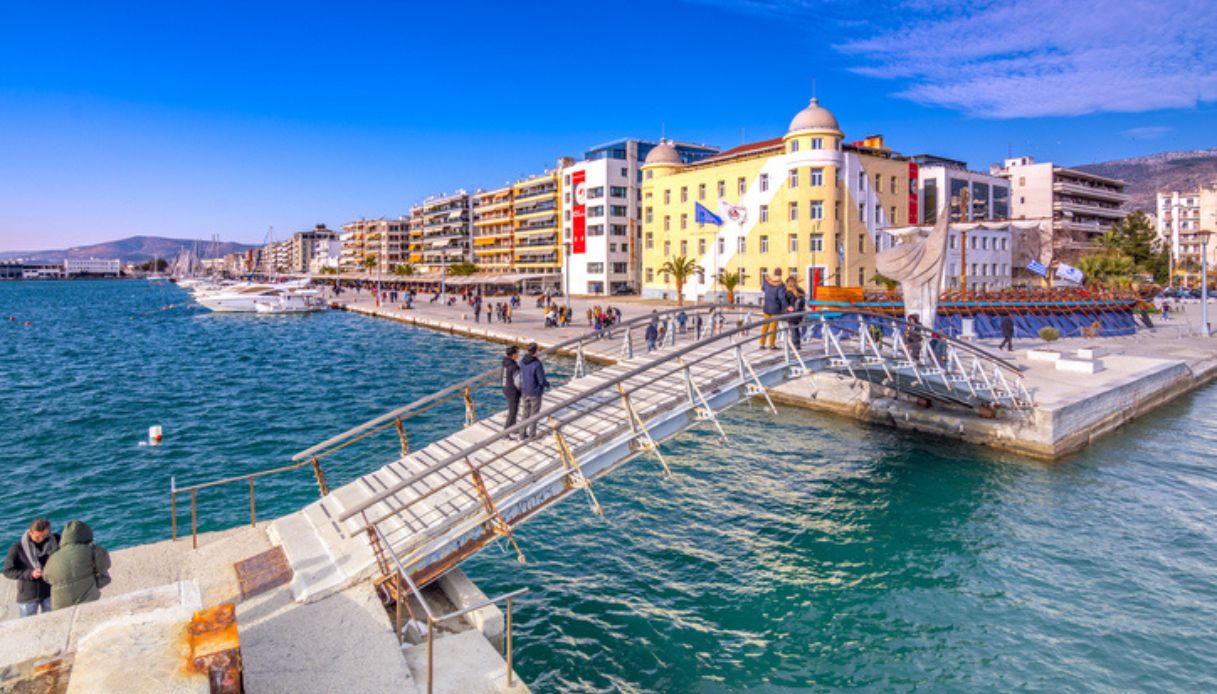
429, 509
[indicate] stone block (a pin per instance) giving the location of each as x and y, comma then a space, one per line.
463, 592
1092, 353
1043, 355
1081, 366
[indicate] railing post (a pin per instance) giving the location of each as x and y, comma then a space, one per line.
580, 362
627, 343
509, 642
471, 415
194, 519
430, 652
397, 605
320, 475
253, 508
403, 438
173, 508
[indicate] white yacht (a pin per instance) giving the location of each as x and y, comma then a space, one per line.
245, 298
298, 301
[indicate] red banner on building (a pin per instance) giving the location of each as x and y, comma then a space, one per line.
914, 211
578, 213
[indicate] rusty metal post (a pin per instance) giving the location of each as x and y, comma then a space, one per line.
253, 509
509, 642
403, 438
397, 606
471, 415
194, 518
317, 472
430, 652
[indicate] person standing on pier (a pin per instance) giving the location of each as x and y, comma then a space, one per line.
797, 303
24, 565
79, 570
775, 303
652, 333
1007, 333
511, 386
533, 385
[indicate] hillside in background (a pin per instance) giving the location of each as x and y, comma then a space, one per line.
1165, 171
135, 249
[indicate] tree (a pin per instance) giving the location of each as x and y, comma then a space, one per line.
729, 281
888, 283
329, 270
1108, 269
1135, 238
681, 269
462, 269
405, 269
370, 262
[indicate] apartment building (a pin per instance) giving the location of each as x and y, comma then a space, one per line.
805, 202
610, 178
493, 229
942, 182
446, 230
106, 267
1081, 205
374, 245
535, 228
1181, 216
303, 246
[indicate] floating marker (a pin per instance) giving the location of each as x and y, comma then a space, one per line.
155, 435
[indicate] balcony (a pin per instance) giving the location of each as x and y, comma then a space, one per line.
538, 227
1088, 191
545, 206
548, 188
1079, 208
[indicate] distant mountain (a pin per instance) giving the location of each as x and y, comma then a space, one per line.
135, 249
1162, 172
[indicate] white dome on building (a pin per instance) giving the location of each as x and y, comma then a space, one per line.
814, 117
663, 153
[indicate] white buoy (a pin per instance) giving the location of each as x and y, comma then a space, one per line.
154, 435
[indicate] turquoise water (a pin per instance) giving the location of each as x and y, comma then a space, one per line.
812, 553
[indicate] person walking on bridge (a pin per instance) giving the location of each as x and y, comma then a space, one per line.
775, 304
1007, 333
79, 570
652, 332
511, 386
24, 564
533, 385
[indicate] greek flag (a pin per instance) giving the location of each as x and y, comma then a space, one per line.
1038, 268
701, 215
1069, 273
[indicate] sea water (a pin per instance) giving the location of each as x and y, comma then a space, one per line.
810, 553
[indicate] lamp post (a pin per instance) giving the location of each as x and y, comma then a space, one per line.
1204, 280
566, 246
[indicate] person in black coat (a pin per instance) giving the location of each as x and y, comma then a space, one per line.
511, 385
24, 564
1007, 333
796, 300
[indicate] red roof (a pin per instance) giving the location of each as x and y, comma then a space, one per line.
745, 149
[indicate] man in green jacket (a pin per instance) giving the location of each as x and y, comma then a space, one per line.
79, 570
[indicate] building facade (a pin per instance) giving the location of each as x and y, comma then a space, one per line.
1081, 205
304, 244
610, 177
103, 267
493, 230
373, 245
941, 182
1181, 216
446, 230
806, 202
537, 246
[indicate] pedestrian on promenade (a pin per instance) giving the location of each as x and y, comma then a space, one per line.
592, 316
24, 564
1007, 333
797, 300
511, 386
533, 385
682, 318
913, 337
79, 570
652, 334
775, 304
697, 325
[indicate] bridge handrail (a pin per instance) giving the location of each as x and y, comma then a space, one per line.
454, 391
674, 357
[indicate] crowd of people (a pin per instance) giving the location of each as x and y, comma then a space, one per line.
54, 571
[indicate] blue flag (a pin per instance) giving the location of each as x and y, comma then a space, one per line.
703, 216
1038, 268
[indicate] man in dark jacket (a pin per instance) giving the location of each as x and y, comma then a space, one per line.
652, 332
79, 570
511, 386
24, 564
533, 385
797, 301
775, 304
1007, 333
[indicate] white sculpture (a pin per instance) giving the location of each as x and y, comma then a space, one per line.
917, 264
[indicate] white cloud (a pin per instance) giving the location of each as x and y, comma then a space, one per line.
1029, 58
1149, 132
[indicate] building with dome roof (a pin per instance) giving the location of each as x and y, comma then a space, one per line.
807, 202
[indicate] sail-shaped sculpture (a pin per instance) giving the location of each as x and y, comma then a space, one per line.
917, 264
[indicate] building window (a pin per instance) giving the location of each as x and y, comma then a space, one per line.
817, 177
764, 244
984, 243
595, 268
794, 211
650, 272
1005, 244
743, 185
595, 193
684, 248
620, 268
684, 194
862, 212
861, 243
893, 186
595, 230
650, 241
701, 246
618, 210
794, 243
684, 221
595, 211
743, 245
701, 191
861, 180
794, 146
617, 229
878, 183
649, 215
878, 213
764, 182
817, 243
861, 277
817, 209
667, 223
794, 178
817, 143
667, 197
722, 189
722, 246
952, 241
892, 217
667, 248
764, 213
973, 240
617, 191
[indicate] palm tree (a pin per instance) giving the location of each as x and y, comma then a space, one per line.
462, 269
404, 269
681, 269
729, 281
369, 262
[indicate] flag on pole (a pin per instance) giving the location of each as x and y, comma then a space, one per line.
1069, 273
1038, 268
737, 214
703, 216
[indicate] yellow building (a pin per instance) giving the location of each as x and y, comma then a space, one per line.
493, 233
535, 207
806, 203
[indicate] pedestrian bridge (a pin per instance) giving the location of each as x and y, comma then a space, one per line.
424, 511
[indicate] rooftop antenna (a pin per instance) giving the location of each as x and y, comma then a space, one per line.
663, 130
813, 87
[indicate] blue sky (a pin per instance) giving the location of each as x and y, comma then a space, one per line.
192, 119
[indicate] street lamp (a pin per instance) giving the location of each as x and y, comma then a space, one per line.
1204, 280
